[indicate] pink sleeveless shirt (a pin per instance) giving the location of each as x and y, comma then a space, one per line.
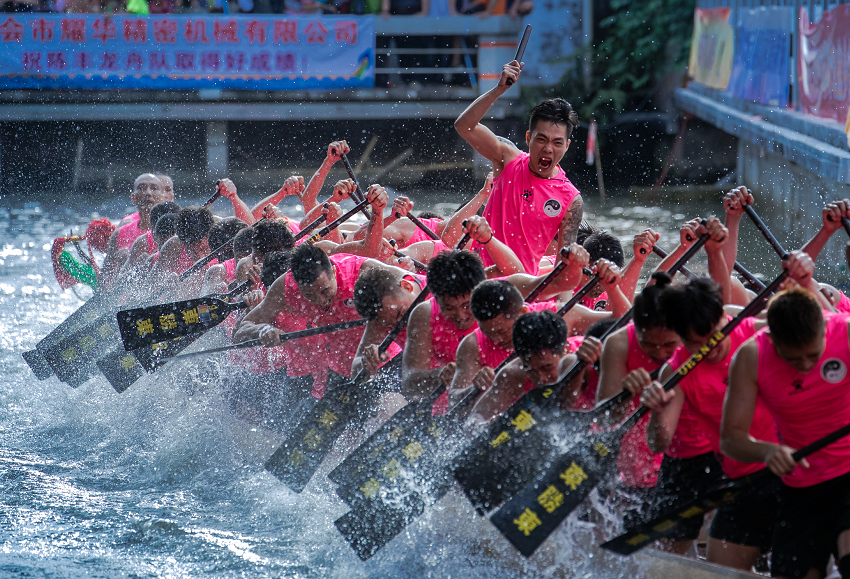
525, 211
419, 235
638, 465
339, 347
705, 389
843, 304
809, 406
128, 234
445, 338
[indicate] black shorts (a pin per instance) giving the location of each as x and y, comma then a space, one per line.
808, 524
680, 480
749, 518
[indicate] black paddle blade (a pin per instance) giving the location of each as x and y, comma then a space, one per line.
668, 522
489, 469
37, 364
529, 518
142, 327
155, 355
298, 458
120, 368
73, 358
368, 530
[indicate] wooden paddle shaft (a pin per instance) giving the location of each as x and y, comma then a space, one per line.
774, 243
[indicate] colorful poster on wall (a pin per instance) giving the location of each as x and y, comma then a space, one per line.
760, 71
186, 52
711, 47
823, 64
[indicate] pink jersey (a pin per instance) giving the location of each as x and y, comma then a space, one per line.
339, 347
597, 303
586, 399
704, 388
438, 247
525, 211
809, 406
128, 234
445, 338
293, 226
419, 235
638, 465
397, 347
230, 270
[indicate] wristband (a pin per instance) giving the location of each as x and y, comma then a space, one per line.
489, 240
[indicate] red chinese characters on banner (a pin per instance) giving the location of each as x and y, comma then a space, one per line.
159, 62
226, 31
134, 61
31, 60
823, 64
284, 62
285, 32
11, 31
108, 61
56, 60
210, 61
42, 30
104, 29
165, 31
195, 31
316, 33
184, 61
345, 31
255, 31
72, 30
135, 30
234, 61
83, 60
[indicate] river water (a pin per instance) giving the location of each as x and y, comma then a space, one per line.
162, 481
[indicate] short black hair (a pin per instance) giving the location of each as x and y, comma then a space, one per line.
455, 273
271, 235
538, 331
242, 242
604, 245
696, 306
193, 224
224, 231
275, 265
370, 289
599, 328
308, 262
555, 110
430, 215
163, 208
492, 298
166, 226
795, 318
647, 312
585, 230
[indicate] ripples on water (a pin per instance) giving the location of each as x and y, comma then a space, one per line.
162, 481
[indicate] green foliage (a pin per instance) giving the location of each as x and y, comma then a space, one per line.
637, 45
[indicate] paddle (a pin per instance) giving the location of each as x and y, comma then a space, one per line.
663, 254
283, 338
37, 364
521, 48
497, 463
774, 243
668, 522
358, 192
142, 327
384, 436
528, 518
298, 458
122, 369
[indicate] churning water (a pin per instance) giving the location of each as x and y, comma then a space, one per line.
162, 481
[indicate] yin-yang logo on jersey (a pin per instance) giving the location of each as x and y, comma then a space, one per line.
552, 208
349, 303
833, 370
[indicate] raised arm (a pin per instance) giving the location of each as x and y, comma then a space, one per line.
240, 209
293, 185
453, 230
335, 151
734, 202
482, 139
568, 231
642, 246
505, 260
832, 215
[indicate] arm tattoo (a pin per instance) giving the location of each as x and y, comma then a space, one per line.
572, 221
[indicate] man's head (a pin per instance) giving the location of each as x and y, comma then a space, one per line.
695, 312
193, 227
452, 275
539, 340
147, 192
163, 208
165, 229
550, 126
270, 236
797, 329
384, 294
224, 231
275, 265
313, 271
602, 245
496, 305
166, 185
654, 337
242, 243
